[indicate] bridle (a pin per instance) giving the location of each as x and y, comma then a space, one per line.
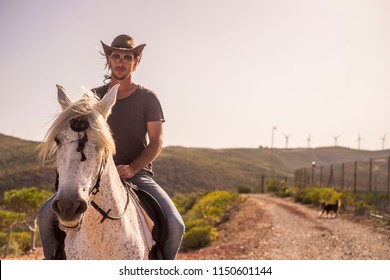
80, 125
95, 190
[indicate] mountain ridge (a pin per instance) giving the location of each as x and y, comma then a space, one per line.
185, 169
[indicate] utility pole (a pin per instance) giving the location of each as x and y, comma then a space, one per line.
272, 151
272, 139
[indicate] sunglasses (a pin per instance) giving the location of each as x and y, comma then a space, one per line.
127, 58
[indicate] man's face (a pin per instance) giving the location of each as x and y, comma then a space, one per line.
122, 64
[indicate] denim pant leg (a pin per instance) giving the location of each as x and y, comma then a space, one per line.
174, 220
46, 217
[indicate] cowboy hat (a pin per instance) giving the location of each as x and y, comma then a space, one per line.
123, 43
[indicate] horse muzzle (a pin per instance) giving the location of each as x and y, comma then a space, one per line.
69, 212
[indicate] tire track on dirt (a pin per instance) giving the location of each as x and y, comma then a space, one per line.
267, 227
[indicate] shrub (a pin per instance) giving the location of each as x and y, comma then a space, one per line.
368, 198
306, 196
185, 202
287, 192
275, 185
316, 195
242, 189
212, 206
361, 208
204, 216
198, 237
20, 242
191, 223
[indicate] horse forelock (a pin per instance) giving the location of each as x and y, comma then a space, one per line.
88, 107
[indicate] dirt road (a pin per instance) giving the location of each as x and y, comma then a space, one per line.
267, 227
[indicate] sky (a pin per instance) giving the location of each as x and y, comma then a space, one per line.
229, 74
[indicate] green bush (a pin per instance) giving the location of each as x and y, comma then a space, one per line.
368, 198
185, 202
199, 237
20, 243
361, 208
348, 201
204, 216
316, 195
212, 206
287, 192
191, 223
3, 238
243, 189
275, 185
307, 196
359, 203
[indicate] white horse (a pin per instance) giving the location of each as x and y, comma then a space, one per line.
101, 218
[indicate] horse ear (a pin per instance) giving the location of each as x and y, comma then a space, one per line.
63, 98
108, 101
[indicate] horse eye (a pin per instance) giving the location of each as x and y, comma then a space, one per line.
57, 141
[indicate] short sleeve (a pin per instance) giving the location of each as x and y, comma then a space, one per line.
154, 110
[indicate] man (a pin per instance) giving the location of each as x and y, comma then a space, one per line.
136, 123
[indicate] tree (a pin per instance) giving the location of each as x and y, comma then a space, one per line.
27, 201
7, 220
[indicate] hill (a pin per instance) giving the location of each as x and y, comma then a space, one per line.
19, 167
180, 169
191, 169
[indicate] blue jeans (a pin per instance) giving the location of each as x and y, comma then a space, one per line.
46, 218
174, 220
145, 182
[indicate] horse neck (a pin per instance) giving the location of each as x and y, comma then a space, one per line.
111, 191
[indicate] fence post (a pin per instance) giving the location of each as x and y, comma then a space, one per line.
342, 177
388, 178
331, 178
321, 172
370, 177
262, 183
354, 177
313, 166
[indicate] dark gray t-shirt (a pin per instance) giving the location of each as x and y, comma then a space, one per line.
128, 122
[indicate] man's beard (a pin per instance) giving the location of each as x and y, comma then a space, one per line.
122, 76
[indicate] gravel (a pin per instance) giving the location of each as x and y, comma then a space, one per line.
271, 228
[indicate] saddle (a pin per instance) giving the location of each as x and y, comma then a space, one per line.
153, 211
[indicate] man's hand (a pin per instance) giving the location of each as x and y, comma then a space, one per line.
125, 171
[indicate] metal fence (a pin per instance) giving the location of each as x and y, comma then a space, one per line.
372, 175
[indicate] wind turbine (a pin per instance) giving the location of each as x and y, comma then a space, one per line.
359, 140
335, 139
383, 141
309, 140
286, 137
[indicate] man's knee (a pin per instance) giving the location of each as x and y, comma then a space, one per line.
176, 228
45, 215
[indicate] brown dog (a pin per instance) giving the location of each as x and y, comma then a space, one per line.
330, 208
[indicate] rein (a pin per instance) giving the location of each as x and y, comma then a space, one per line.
80, 125
95, 190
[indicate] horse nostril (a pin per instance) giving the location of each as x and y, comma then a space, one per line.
81, 208
55, 206
68, 208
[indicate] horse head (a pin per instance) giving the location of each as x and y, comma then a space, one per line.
81, 140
